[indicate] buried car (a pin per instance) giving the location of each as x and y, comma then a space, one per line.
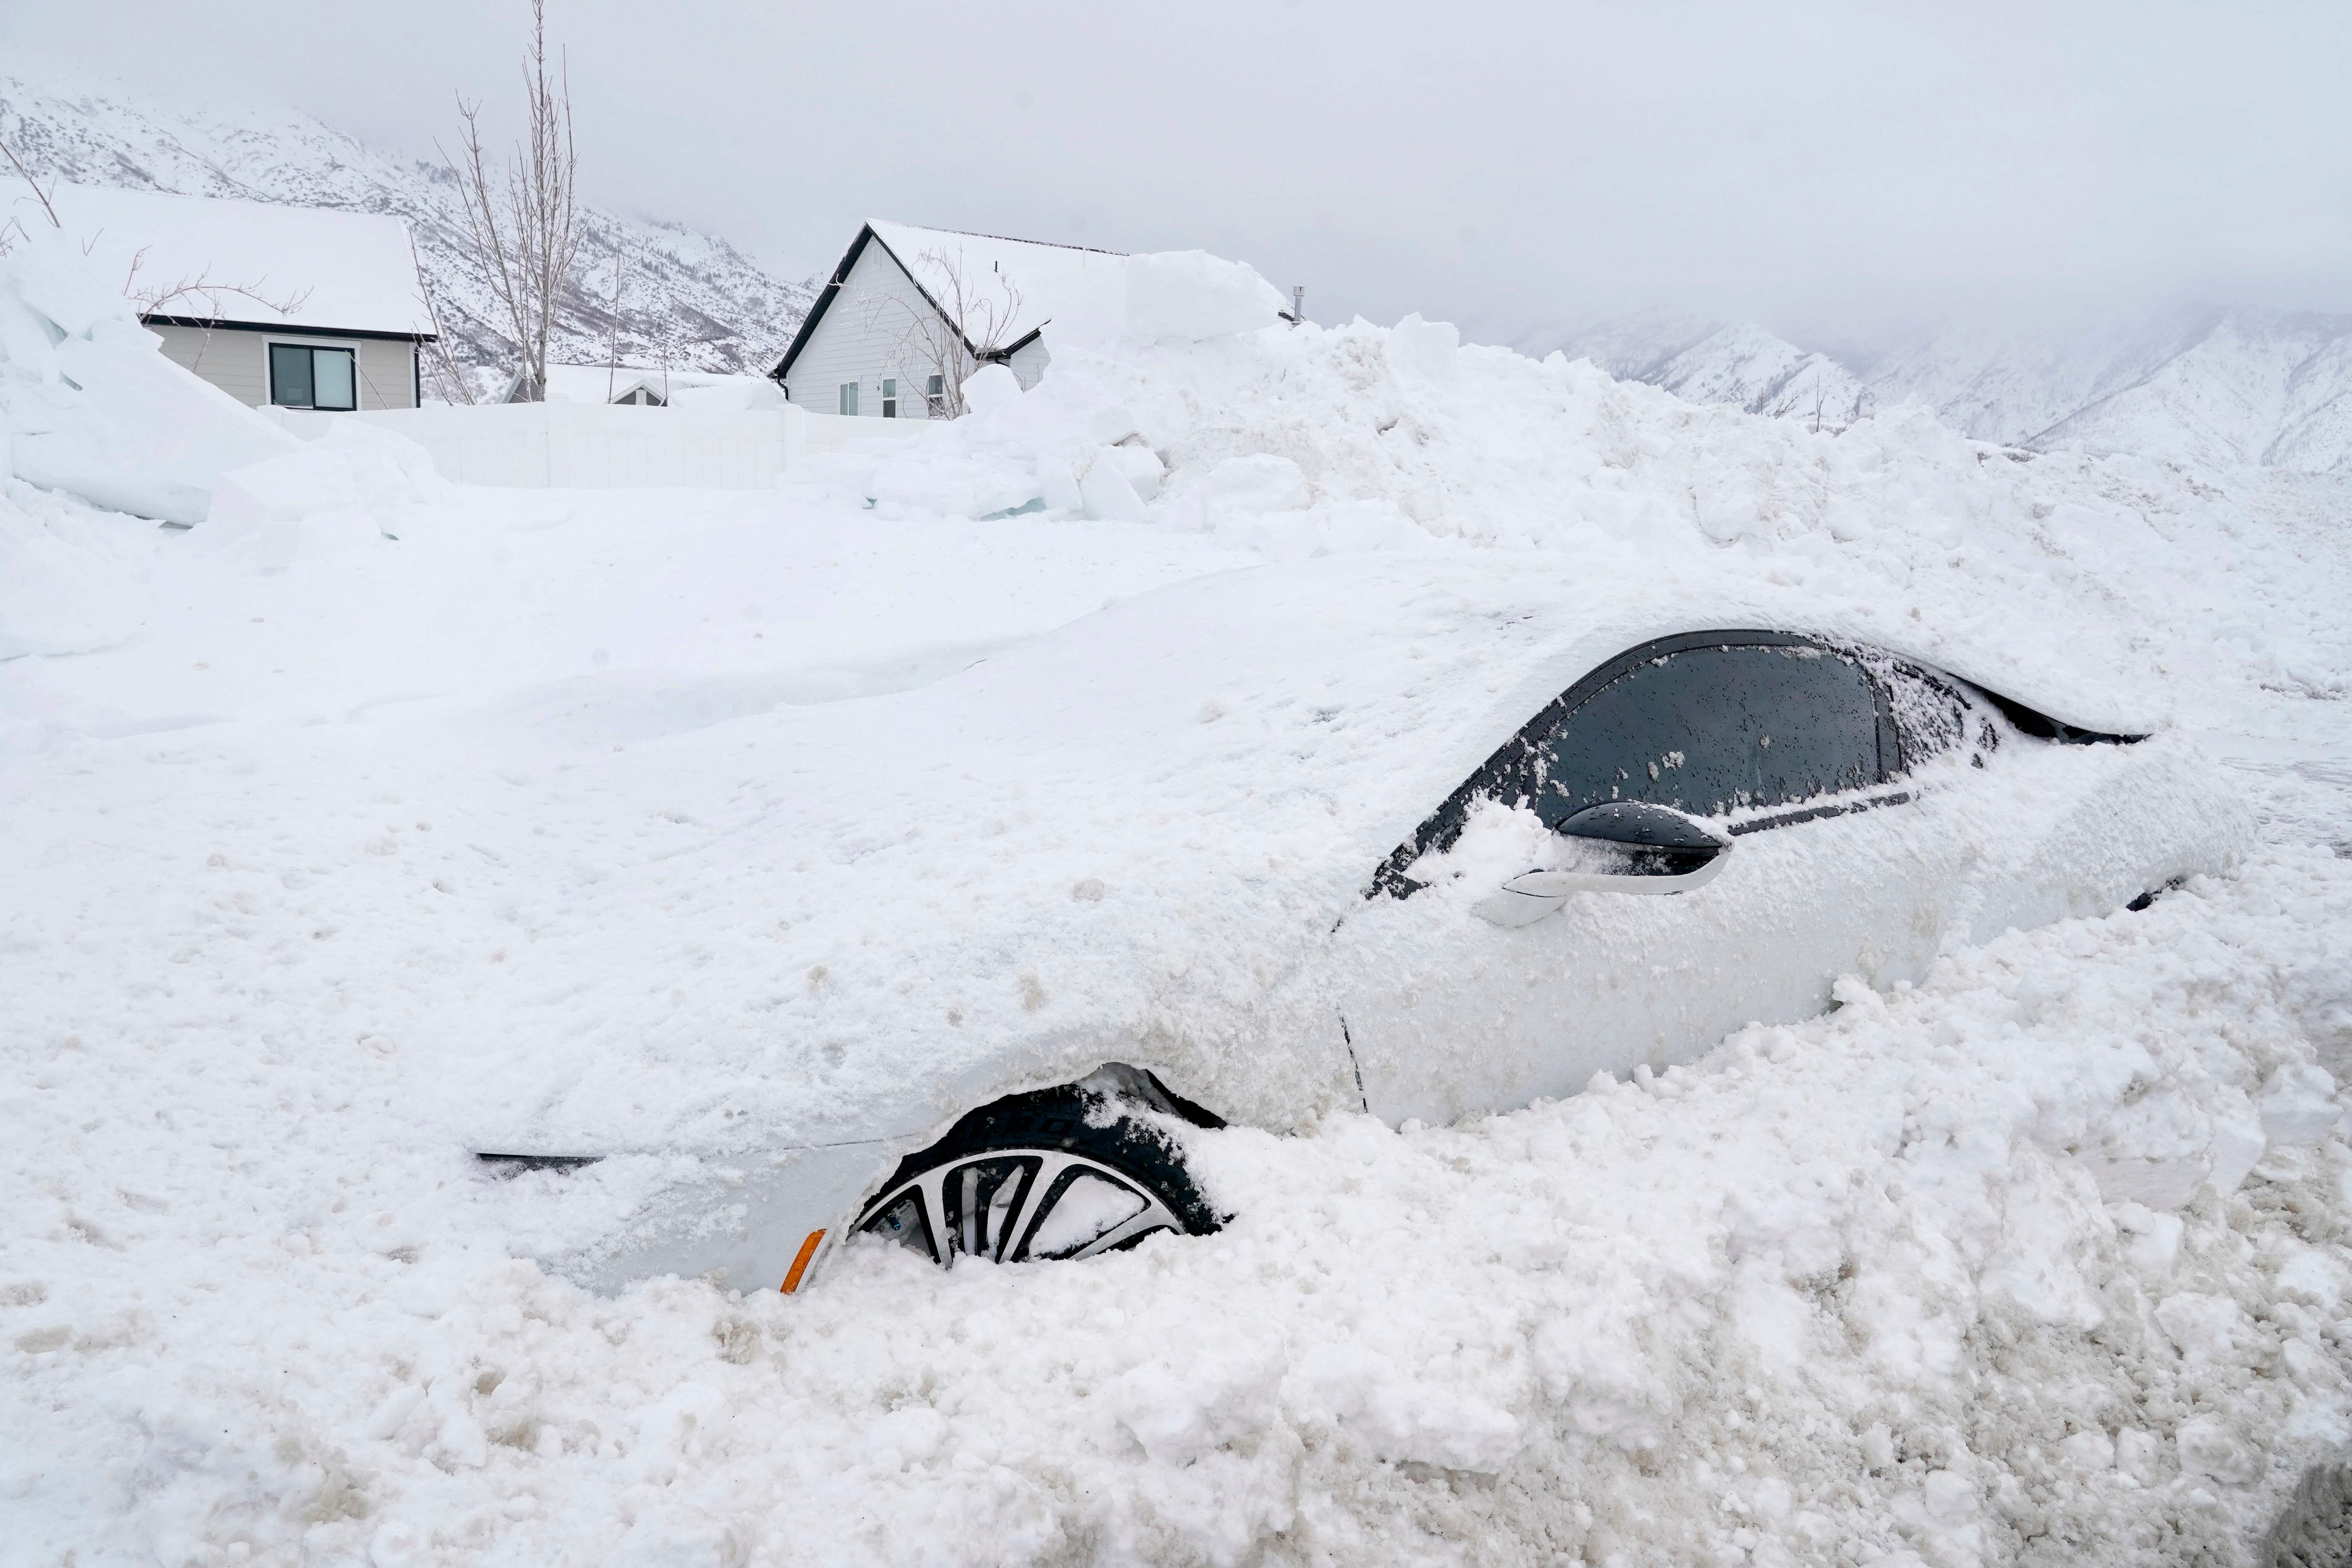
1422, 838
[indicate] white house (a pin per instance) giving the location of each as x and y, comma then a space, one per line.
910, 312
300, 306
649, 386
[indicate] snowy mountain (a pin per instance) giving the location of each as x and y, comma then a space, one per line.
689, 298
2207, 387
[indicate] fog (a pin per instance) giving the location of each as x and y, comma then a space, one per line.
1838, 172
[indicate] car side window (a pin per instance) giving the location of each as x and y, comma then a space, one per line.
1930, 718
1713, 730
1708, 722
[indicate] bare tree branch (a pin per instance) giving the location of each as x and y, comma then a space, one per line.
966, 332
41, 195
524, 229
47, 205
612, 356
449, 378
151, 302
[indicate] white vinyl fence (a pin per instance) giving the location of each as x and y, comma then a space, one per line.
602, 445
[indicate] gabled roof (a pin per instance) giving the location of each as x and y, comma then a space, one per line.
332, 272
1016, 286
610, 383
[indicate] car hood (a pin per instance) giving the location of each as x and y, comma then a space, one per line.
1117, 841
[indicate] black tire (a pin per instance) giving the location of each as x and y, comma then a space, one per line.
992, 1186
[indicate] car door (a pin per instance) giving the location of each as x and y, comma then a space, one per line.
1797, 747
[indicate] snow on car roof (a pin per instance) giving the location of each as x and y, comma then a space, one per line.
1026, 283
260, 264
1127, 828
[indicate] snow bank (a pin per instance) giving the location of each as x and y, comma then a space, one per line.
352, 485
2120, 586
89, 404
59, 594
2042, 1255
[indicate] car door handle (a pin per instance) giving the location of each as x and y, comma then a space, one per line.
1626, 847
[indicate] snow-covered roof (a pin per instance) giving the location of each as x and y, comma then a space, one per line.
259, 264
610, 383
1012, 288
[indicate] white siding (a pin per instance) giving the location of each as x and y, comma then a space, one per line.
869, 333
238, 362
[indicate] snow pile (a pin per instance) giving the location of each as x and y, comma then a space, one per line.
2043, 1255
89, 404
1190, 296
1846, 1291
61, 590
352, 485
2124, 572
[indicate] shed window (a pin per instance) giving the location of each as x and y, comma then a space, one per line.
849, 398
303, 377
889, 400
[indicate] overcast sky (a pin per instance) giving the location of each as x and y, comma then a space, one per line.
1837, 171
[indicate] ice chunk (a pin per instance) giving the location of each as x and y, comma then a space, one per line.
2200, 1326
1190, 295
2155, 1246
354, 467
1428, 348
2210, 1446
2298, 1104
1107, 493
2238, 1143
97, 411
2090, 1450
1141, 464
990, 388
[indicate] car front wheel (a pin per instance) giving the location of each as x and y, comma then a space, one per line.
1064, 1173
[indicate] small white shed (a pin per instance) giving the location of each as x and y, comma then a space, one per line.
910, 312
648, 386
297, 307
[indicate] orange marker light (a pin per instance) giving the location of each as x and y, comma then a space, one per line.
799, 1264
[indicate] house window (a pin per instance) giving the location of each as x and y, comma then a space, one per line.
301, 377
935, 394
889, 399
849, 398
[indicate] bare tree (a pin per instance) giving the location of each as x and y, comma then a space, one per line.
523, 228
449, 377
612, 349
975, 313
42, 195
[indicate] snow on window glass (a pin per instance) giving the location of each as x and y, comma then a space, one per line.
1714, 729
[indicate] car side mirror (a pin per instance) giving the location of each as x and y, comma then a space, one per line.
1619, 847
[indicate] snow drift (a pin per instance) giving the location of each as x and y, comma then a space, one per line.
88, 404
2041, 1255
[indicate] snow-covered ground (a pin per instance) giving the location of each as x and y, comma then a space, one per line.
1841, 1292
